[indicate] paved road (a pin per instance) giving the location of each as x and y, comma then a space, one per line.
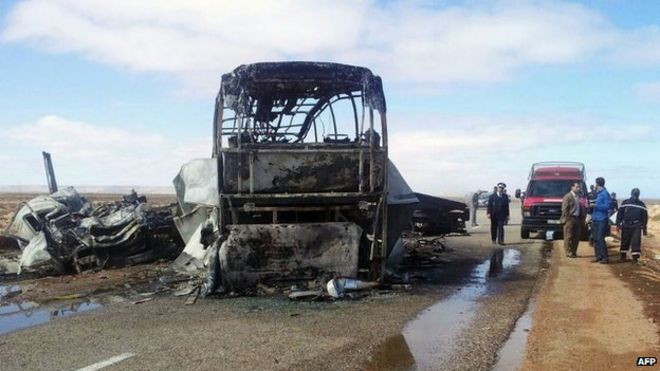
265, 333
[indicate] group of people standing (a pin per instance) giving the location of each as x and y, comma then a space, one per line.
631, 221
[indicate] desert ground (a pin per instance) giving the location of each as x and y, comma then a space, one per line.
474, 306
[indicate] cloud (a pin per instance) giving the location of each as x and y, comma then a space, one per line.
453, 153
637, 47
80, 138
417, 44
86, 153
648, 92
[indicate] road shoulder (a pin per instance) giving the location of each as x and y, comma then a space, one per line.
588, 317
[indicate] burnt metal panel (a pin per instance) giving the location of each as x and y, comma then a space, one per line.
297, 172
50, 172
271, 252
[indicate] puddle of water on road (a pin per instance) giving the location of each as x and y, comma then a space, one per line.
428, 339
510, 356
16, 316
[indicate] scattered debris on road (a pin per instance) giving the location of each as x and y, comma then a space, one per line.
338, 287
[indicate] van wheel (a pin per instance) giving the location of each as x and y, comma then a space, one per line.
524, 234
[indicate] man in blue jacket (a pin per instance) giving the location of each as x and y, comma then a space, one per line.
600, 220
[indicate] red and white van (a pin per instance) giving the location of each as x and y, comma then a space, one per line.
541, 202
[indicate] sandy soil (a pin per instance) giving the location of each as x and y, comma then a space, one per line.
127, 280
594, 317
651, 247
8, 204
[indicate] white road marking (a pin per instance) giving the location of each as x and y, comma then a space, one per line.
477, 227
108, 362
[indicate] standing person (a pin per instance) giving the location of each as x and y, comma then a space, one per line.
572, 216
631, 221
498, 212
600, 220
591, 195
591, 201
615, 204
508, 201
475, 207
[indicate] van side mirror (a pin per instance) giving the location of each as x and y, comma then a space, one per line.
518, 193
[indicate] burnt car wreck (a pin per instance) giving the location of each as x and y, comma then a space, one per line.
438, 216
299, 184
65, 233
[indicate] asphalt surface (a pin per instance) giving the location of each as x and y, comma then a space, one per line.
274, 333
465, 330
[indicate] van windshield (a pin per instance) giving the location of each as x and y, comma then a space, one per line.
550, 187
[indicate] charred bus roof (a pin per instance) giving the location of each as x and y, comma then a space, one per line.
298, 102
271, 81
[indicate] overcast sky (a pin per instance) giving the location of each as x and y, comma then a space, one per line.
121, 93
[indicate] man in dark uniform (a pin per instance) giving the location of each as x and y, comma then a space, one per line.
631, 221
498, 212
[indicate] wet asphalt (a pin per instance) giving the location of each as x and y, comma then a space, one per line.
483, 324
473, 297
